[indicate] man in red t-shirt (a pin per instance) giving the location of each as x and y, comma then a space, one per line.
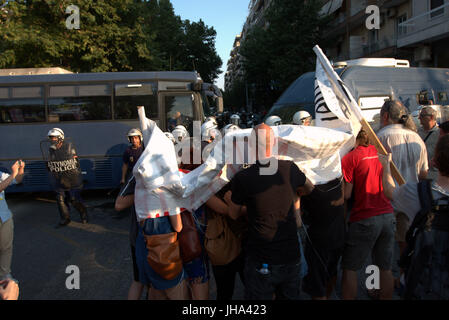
372, 225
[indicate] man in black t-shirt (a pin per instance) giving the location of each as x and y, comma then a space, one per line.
272, 239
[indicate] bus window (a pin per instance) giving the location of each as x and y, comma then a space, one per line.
179, 111
442, 97
22, 104
78, 103
129, 96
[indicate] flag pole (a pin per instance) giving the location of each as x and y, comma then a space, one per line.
355, 108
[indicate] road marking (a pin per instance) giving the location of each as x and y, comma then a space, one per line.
49, 231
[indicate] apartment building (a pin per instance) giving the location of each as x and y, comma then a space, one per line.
416, 30
255, 17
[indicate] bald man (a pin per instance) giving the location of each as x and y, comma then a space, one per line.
271, 202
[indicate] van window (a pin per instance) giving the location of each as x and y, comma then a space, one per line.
423, 97
371, 106
442, 97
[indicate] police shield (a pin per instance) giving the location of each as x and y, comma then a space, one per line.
62, 164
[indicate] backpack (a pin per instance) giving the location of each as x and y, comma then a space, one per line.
424, 220
221, 243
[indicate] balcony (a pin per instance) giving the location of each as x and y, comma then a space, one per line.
428, 26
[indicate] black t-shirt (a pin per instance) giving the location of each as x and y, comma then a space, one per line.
131, 156
272, 236
326, 222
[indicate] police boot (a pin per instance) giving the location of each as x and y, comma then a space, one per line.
64, 212
81, 209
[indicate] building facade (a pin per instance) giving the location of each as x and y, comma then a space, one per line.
234, 70
416, 30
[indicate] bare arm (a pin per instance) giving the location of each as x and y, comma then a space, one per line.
387, 179
14, 173
348, 190
123, 202
306, 189
235, 210
297, 210
124, 170
218, 205
422, 174
176, 222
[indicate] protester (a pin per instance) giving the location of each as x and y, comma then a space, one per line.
6, 219
65, 176
174, 288
371, 224
132, 153
398, 136
324, 216
230, 261
125, 200
272, 253
198, 270
428, 271
429, 132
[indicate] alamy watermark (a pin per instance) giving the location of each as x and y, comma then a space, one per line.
373, 20
373, 280
73, 280
72, 21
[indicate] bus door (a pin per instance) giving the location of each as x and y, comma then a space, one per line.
180, 108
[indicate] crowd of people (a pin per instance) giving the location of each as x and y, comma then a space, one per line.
280, 233
285, 236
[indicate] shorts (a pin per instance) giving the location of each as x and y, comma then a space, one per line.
198, 270
147, 275
374, 235
323, 266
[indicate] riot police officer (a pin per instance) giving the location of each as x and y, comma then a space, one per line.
132, 153
65, 175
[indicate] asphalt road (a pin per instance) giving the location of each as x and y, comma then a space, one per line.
99, 249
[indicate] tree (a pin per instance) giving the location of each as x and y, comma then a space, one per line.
114, 35
277, 53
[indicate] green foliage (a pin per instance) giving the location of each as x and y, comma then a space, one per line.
279, 52
114, 35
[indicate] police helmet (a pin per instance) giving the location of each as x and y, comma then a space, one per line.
134, 132
180, 133
273, 121
300, 117
229, 127
207, 129
235, 119
56, 132
211, 118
